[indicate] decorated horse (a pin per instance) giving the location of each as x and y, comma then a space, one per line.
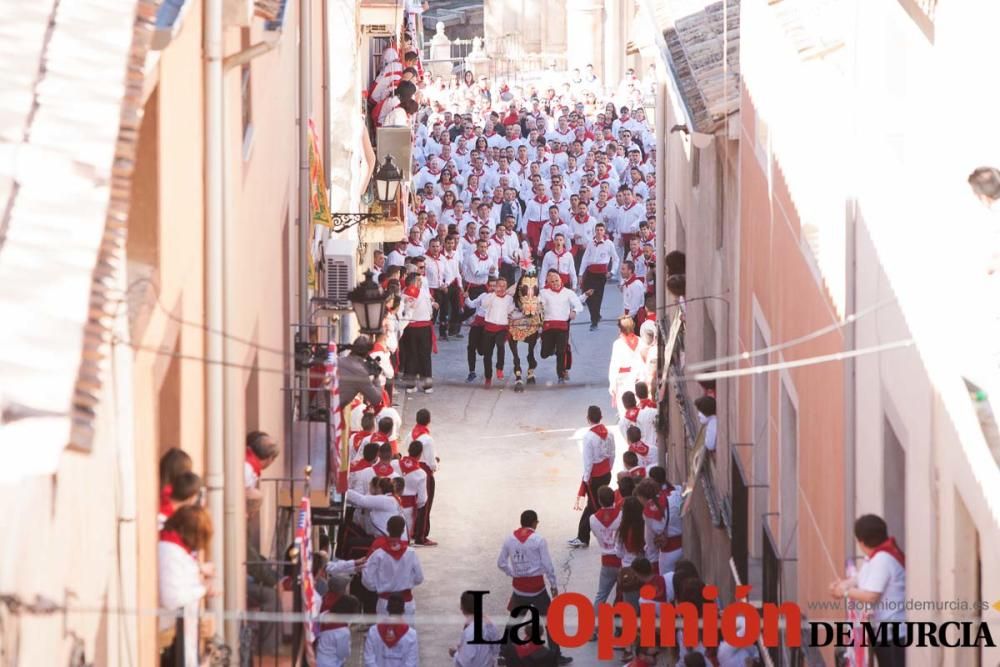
526, 328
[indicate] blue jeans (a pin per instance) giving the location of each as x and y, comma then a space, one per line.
605, 583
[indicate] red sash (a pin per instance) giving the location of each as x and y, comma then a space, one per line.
530, 585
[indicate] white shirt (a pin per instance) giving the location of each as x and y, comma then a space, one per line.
420, 307
622, 356
380, 509
633, 296
406, 652
382, 573
606, 536
599, 254
415, 484
527, 558
646, 421
562, 264
452, 268
596, 450
435, 272
537, 211
478, 655
333, 647
549, 232
559, 304
476, 270
711, 430
496, 308
583, 231
883, 574
630, 216
180, 588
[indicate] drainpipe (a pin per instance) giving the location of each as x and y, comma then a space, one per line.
662, 118
214, 291
305, 80
850, 378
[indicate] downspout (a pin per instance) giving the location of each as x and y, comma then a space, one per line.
850, 377
214, 292
305, 226
661, 234
327, 171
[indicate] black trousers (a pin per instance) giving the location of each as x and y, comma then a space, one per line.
532, 362
444, 309
555, 341
491, 340
890, 656
583, 530
415, 344
423, 521
474, 347
508, 272
596, 282
454, 309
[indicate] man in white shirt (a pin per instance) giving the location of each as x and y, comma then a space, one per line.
554, 226
417, 342
480, 654
880, 583
633, 294
525, 558
594, 271
560, 305
476, 269
498, 306
392, 568
560, 260
392, 643
598, 457
453, 286
624, 363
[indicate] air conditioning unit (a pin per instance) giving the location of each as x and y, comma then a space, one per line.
339, 269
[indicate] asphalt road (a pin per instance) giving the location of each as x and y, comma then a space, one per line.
503, 452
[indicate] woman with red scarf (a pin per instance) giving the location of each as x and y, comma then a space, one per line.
182, 578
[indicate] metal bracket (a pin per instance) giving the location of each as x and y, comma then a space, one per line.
341, 222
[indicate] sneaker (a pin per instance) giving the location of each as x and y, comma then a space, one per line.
428, 542
457, 335
531, 376
471, 377
428, 390
488, 383
411, 390
564, 660
499, 373
577, 543
593, 327
562, 380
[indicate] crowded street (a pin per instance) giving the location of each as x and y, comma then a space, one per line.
499, 333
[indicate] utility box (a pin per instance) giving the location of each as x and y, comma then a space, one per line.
339, 271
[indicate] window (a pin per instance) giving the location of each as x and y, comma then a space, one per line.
761, 397
894, 483
246, 95
789, 492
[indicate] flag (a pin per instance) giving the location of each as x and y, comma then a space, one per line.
333, 382
319, 202
303, 539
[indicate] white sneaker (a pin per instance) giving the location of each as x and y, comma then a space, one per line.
577, 543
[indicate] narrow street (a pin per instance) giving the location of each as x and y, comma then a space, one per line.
496, 445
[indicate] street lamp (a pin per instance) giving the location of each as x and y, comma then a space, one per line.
368, 302
387, 180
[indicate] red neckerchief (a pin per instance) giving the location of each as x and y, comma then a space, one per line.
358, 437
559, 253
418, 431
640, 448
166, 507
636, 255
607, 515
393, 546
412, 291
486, 256
543, 199
632, 414
497, 238
522, 534
890, 547
629, 206
391, 633
470, 239
378, 347
652, 510
631, 340
631, 280
408, 464
173, 537
600, 430
254, 462
360, 465
647, 403
600, 206
383, 469
584, 220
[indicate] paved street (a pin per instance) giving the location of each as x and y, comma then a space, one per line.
503, 452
